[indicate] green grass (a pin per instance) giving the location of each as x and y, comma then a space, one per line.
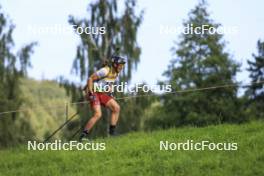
139, 154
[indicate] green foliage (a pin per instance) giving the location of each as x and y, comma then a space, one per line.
12, 68
255, 92
43, 110
155, 118
201, 61
45, 102
133, 108
139, 154
120, 32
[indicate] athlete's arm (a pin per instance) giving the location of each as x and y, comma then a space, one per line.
90, 81
94, 77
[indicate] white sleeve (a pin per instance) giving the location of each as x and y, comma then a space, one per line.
102, 72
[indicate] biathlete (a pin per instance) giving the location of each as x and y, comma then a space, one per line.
98, 96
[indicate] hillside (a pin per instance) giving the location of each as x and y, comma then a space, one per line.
45, 103
139, 154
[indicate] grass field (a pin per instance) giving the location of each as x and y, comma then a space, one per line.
139, 154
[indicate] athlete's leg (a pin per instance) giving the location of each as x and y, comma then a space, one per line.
96, 116
115, 108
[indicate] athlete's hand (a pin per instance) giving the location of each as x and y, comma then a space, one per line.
111, 94
91, 96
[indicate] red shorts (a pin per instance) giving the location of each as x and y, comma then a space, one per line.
100, 99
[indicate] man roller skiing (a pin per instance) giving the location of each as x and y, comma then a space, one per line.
98, 96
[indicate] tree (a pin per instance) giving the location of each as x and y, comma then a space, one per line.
120, 31
200, 61
111, 32
12, 68
255, 92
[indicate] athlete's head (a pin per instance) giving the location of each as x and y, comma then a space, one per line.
118, 62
